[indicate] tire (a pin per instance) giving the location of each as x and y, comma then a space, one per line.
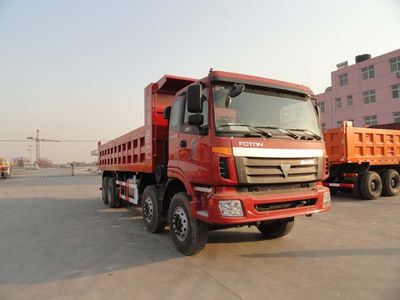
370, 185
104, 193
152, 210
112, 195
390, 182
188, 234
276, 228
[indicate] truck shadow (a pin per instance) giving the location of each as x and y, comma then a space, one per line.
328, 253
52, 239
233, 237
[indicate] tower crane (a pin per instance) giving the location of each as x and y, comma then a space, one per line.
37, 139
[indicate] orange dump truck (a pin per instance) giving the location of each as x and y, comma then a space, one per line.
363, 160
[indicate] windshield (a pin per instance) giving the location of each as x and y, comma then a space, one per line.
271, 111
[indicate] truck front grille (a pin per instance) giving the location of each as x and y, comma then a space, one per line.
252, 170
285, 205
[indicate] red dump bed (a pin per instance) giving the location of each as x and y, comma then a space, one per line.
142, 149
349, 144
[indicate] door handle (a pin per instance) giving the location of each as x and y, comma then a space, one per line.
183, 144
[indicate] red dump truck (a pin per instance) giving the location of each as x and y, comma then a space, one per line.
225, 151
364, 161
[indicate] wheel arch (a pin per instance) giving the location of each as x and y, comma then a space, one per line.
173, 186
107, 174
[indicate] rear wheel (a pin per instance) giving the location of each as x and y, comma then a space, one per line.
112, 195
370, 185
104, 194
390, 182
151, 210
189, 235
276, 228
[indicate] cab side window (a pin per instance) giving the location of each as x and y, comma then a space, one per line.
176, 113
190, 129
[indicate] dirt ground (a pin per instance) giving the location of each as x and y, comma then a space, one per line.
58, 241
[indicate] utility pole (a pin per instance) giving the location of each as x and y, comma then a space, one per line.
37, 139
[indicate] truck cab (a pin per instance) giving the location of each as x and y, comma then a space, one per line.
248, 150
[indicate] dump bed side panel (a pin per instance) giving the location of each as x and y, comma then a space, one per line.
349, 144
142, 149
335, 143
126, 153
373, 146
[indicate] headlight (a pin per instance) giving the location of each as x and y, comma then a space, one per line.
231, 208
326, 201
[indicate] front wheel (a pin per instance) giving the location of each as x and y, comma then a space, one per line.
188, 234
276, 228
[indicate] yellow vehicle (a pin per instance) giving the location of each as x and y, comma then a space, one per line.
4, 168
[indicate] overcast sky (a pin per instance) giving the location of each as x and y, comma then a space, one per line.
77, 69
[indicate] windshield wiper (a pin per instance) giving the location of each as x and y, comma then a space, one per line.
309, 132
285, 131
254, 129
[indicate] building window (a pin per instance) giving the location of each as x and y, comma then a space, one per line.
396, 91
321, 106
349, 100
323, 126
338, 102
395, 64
343, 79
369, 97
370, 120
368, 72
396, 117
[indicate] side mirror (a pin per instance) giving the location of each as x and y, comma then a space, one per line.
196, 120
167, 113
194, 101
234, 91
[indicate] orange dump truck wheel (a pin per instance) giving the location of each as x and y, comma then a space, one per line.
371, 185
390, 182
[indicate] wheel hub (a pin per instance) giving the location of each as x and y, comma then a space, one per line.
180, 224
148, 209
373, 185
393, 183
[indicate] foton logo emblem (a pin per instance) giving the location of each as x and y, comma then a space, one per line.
251, 144
285, 169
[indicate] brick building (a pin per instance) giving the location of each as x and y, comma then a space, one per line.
367, 92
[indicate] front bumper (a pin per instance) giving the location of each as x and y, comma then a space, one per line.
206, 207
